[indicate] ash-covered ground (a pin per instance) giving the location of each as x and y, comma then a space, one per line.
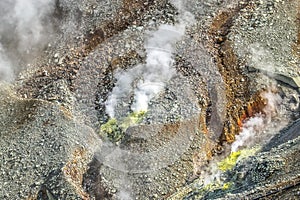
171, 99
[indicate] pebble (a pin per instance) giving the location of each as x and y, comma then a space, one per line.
61, 93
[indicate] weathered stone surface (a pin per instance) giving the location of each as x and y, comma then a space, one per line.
38, 140
49, 117
272, 173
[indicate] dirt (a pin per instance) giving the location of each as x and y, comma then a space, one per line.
296, 47
130, 13
241, 103
182, 148
74, 170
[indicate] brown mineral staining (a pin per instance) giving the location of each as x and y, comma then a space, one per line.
254, 106
236, 83
241, 104
127, 15
75, 169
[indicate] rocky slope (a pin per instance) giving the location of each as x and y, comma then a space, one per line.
50, 116
44, 150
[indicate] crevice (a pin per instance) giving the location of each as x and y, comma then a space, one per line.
241, 104
92, 181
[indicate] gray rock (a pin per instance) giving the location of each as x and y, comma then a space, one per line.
38, 141
272, 173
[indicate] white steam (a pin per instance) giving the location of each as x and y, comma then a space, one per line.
212, 173
6, 71
24, 27
146, 81
254, 127
159, 65
250, 129
256, 130
124, 196
261, 58
29, 16
143, 82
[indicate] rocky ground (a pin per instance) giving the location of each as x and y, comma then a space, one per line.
39, 143
50, 116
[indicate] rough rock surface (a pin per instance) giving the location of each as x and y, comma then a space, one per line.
51, 114
38, 139
271, 173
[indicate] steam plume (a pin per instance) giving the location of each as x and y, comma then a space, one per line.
151, 77
253, 127
256, 130
6, 71
24, 27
